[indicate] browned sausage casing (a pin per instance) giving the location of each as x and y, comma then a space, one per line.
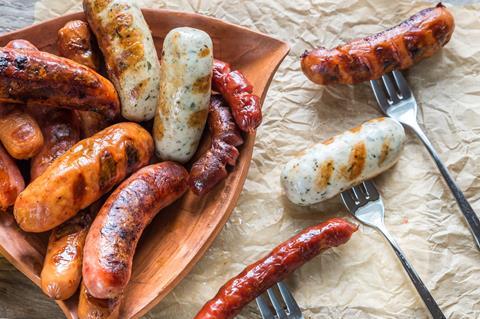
369, 58
62, 267
19, 132
282, 260
75, 42
93, 308
61, 130
82, 175
43, 79
113, 237
21, 45
11, 180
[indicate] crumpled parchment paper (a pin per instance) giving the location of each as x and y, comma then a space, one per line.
362, 279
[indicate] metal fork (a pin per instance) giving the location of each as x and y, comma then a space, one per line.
292, 310
397, 101
364, 202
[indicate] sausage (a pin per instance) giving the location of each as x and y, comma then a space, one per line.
185, 89
75, 42
210, 168
19, 132
11, 180
82, 175
343, 161
130, 54
61, 130
93, 308
282, 260
237, 91
62, 267
43, 79
21, 44
369, 58
113, 237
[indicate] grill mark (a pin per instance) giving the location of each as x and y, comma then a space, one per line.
108, 169
325, 174
356, 162
385, 151
78, 188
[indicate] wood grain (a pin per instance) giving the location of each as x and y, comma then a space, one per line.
179, 235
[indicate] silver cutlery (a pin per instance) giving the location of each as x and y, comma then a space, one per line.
288, 310
397, 101
364, 202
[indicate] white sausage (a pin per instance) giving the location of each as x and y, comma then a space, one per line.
185, 88
341, 162
130, 56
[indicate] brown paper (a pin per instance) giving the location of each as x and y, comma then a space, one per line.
362, 279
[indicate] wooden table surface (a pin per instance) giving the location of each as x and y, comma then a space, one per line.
19, 297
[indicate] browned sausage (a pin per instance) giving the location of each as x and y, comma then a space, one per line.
19, 132
21, 45
113, 237
75, 42
94, 308
11, 180
369, 58
282, 260
62, 267
61, 130
43, 79
210, 168
237, 91
82, 175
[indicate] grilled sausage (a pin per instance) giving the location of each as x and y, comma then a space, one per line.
186, 73
43, 79
210, 168
113, 237
75, 42
130, 54
82, 175
343, 161
11, 180
21, 44
369, 58
19, 132
237, 91
61, 130
62, 267
282, 260
93, 308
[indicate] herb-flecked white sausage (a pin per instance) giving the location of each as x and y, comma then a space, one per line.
185, 88
130, 55
342, 161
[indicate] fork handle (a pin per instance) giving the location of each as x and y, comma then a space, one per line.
467, 210
427, 298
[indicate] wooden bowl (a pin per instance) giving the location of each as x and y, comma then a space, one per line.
179, 236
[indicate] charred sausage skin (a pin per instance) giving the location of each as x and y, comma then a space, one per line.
11, 180
210, 168
61, 130
82, 175
282, 260
42, 79
369, 58
113, 237
238, 92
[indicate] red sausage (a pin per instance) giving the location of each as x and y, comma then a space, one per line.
283, 259
61, 130
237, 91
113, 236
210, 168
20, 44
11, 180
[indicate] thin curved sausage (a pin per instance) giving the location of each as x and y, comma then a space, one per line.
113, 237
42, 79
82, 175
400, 47
282, 260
